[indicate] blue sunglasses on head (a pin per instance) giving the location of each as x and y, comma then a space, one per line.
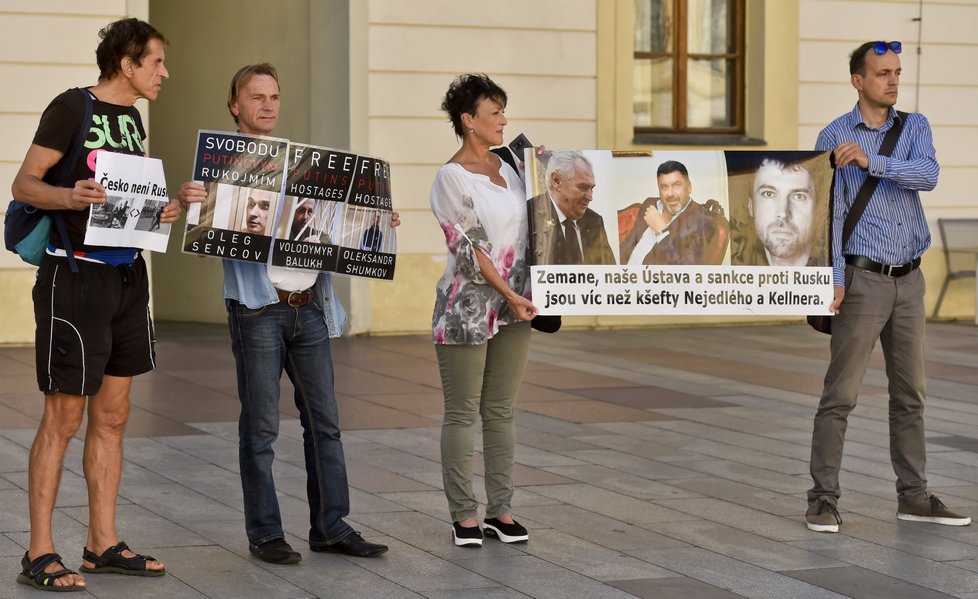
881, 47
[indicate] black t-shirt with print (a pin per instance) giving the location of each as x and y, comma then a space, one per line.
112, 128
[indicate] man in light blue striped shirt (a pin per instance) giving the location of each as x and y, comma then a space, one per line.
879, 289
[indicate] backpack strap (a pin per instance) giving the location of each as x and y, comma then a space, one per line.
134, 113
67, 172
506, 156
71, 158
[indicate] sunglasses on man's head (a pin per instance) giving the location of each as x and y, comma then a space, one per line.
881, 47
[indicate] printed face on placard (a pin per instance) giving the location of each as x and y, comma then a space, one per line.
574, 194
674, 191
783, 204
303, 216
259, 204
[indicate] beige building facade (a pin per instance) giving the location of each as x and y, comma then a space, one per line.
369, 76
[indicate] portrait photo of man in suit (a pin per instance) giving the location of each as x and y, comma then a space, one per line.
564, 230
673, 229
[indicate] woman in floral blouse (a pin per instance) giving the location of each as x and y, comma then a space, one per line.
481, 323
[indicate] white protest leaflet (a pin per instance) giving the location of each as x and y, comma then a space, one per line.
135, 195
680, 232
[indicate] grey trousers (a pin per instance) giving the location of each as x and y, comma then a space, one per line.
481, 380
891, 310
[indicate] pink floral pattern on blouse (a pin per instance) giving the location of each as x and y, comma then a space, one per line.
475, 214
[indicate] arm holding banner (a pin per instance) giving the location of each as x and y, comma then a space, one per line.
521, 307
826, 142
191, 192
171, 212
454, 208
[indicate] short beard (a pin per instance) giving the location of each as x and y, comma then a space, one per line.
781, 247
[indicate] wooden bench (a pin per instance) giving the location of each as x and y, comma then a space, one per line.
959, 236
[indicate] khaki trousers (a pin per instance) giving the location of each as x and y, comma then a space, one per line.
481, 380
891, 310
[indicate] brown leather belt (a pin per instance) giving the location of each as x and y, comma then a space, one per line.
295, 298
889, 270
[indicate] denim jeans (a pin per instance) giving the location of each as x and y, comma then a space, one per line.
266, 341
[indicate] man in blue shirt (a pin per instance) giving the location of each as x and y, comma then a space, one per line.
879, 289
283, 319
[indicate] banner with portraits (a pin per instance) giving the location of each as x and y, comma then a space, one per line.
292, 205
680, 232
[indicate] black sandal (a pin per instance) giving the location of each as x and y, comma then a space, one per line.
113, 562
33, 574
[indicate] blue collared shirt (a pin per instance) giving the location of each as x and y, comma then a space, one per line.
893, 229
248, 283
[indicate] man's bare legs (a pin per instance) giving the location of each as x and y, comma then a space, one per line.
108, 412
59, 423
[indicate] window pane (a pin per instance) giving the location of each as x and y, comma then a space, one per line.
709, 93
653, 26
710, 25
653, 92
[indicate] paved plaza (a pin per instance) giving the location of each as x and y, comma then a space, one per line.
650, 463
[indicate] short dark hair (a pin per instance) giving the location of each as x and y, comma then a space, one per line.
464, 94
857, 60
672, 166
243, 76
126, 38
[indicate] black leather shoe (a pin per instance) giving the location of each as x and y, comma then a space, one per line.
276, 551
352, 544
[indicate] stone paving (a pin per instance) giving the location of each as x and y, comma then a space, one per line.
651, 463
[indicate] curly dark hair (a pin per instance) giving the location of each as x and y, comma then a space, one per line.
464, 95
121, 39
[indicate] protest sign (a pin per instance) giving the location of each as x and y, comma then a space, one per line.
337, 213
244, 176
680, 232
135, 195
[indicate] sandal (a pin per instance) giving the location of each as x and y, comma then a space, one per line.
35, 576
113, 562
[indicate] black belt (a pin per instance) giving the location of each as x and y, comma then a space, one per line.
889, 270
295, 298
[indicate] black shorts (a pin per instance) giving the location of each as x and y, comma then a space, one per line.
91, 323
